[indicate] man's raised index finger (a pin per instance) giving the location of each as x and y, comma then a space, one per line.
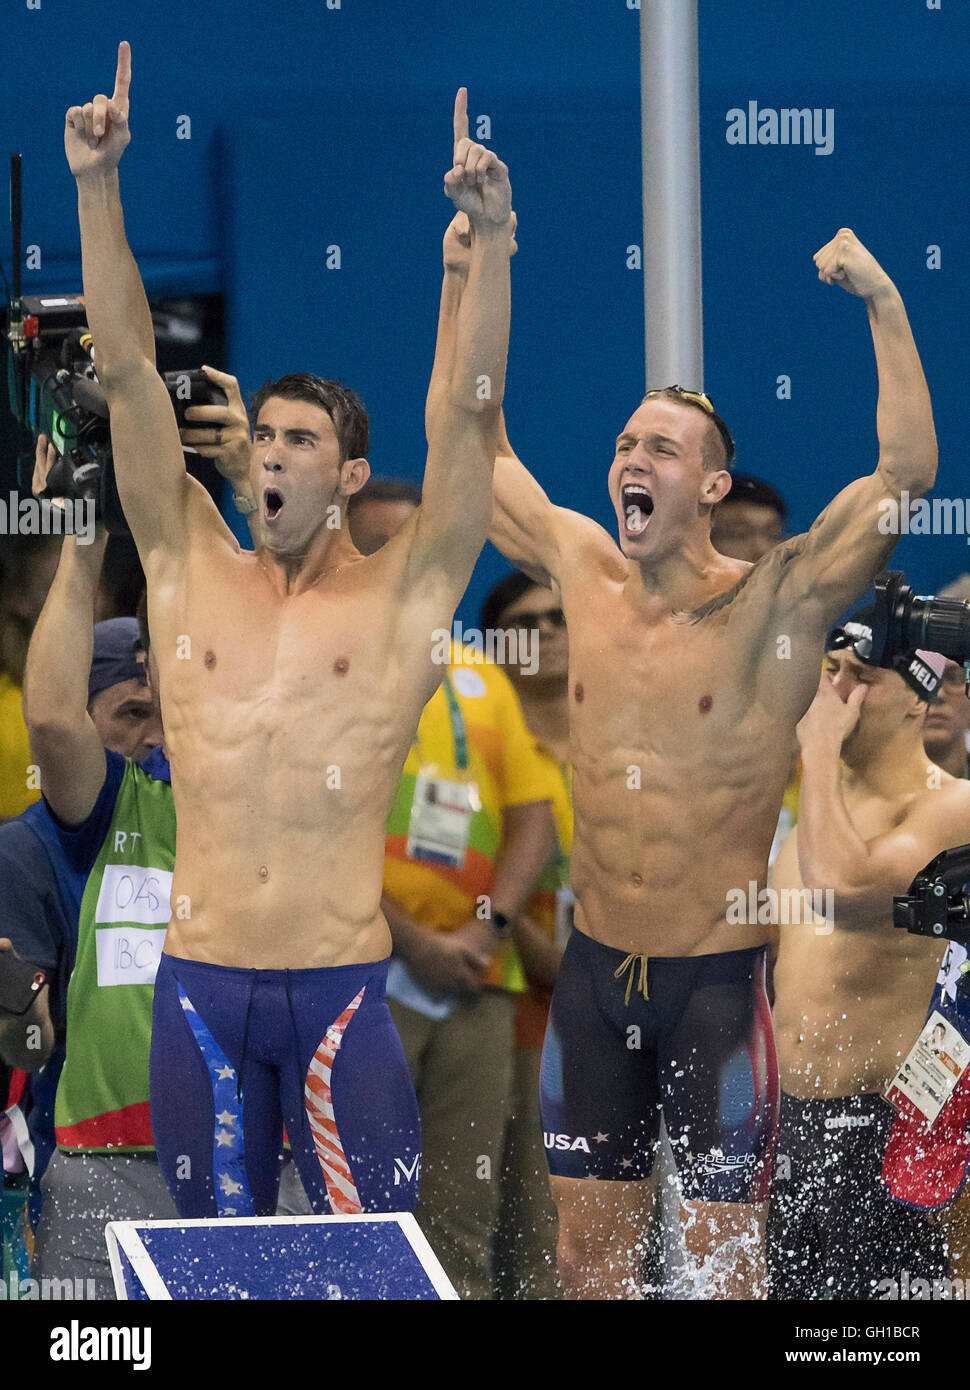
461, 115
123, 73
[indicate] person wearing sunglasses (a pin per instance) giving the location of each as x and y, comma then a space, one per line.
525, 1237
688, 671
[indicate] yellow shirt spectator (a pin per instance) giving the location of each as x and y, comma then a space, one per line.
15, 759
507, 769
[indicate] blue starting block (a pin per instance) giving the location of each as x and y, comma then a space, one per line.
383, 1256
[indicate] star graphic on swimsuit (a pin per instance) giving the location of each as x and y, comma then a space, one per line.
225, 1139
600, 1137
225, 1073
226, 1118
229, 1187
626, 1163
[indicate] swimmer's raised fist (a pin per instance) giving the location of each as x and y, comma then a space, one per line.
96, 134
845, 261
478, 181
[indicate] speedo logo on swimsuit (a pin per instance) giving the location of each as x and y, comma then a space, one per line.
717, 1162
564, 1141
792, 125
848, 1121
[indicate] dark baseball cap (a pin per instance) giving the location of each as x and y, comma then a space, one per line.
117, 655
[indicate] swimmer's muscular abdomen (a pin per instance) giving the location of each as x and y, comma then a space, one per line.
679, 772
849, 1004
660, 851
287, 727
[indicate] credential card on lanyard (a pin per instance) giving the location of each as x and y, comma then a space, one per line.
442, 808
441, 817
927, 1078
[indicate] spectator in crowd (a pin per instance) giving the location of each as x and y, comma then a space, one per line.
107, 822
750, 519
455, 884
850, 990
947, 724
525, 1244
27, 566
946, 734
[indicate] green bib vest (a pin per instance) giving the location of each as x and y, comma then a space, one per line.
102, 1097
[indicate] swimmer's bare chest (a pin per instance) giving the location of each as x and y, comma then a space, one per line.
850, 1001
287, 720
679, 769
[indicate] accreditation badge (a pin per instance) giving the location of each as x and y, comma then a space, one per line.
441, 818
928, 1076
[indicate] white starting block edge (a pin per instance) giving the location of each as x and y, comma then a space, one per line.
125, 1234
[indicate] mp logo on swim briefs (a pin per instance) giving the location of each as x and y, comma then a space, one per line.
407, 1172
718, 1162
564, 1141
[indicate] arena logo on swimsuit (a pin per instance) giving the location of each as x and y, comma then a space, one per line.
564, 1141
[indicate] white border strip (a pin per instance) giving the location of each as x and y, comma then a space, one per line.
429, 1261
125, 1234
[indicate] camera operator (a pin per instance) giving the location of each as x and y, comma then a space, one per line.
95, 735
850, 995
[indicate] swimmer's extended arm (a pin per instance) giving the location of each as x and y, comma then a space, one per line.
534, 534
452, 522
155, 490
853, 538
524, 521
456, 255
863, 874
63, 740
525, 524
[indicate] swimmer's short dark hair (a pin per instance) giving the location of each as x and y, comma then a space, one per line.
343, 405
714, 457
